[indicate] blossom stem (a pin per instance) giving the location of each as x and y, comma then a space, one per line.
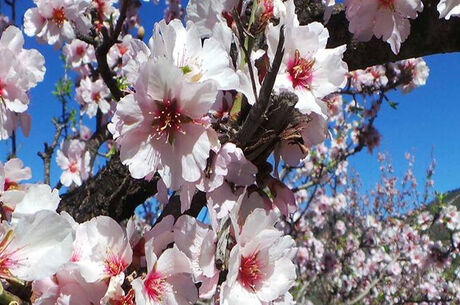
7, 298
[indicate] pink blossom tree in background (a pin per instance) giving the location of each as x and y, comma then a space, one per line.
244, 110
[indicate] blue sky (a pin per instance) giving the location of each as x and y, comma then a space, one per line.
426, 118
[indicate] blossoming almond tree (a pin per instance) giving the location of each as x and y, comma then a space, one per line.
243, 111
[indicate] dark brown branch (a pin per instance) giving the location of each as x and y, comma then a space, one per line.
429, 35
103, 49
257, 113
173, 206
111, 192
97, 139
47, 154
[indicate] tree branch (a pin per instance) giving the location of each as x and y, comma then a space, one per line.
47, 154
429, 35
111, 192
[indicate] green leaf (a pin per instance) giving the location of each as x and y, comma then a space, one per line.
111, 152
236, 107
393, 105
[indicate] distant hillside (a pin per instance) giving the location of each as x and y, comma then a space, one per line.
453, 196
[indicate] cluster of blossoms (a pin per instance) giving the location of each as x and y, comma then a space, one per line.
387, 246
389, 20
198, 111
20, 71
72, 263
73, 159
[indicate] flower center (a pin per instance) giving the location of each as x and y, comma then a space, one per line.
96, 97
387, 4
58, 16
2, 88
10, 185
6, 261
168, 120
80, 51
268, 10
300, 71
155, 286
73, 167
114, 264
250, 273
193, 71
122, 49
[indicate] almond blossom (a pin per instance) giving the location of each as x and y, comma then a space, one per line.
161, 126
35, 198
415, 70
30, 65
168, 279
448, 8
13, 192
386, 19
260, 266
308, 69
78, 53
67, 287
20, 70
15, 172
313, 131
74, 161
101, 249
198, 61
36, 246
53, 21
197, 242
93, 95
230, 164
206, 14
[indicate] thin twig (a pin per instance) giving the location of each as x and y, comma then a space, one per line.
47, 154
245, 51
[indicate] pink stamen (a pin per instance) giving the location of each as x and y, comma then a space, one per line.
168, 120
250, 273
300, 71
114, 264
58, 16
155, 286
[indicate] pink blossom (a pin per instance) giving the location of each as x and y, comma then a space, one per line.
168, 279
283, 197
101, 249
198, 61
308, 69
36, 246
52, 21
448, 8
260, 266
93, 95
386, 19
196, 241
74, 161
67, 287
161, 126
78, 53
20, 70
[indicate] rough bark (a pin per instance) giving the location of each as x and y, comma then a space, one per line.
111, 192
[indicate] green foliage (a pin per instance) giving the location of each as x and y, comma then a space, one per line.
393, 105
73, 117
63, 88
111, 152
122, 84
